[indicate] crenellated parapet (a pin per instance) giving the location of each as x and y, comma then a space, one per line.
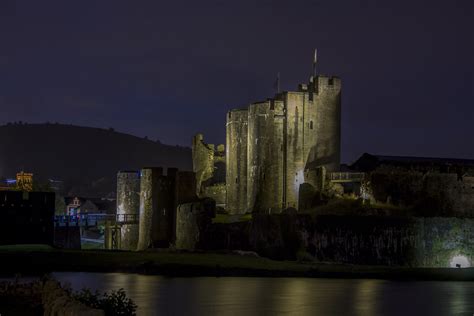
272, 145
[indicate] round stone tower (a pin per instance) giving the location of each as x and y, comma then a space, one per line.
128, 202
148, 205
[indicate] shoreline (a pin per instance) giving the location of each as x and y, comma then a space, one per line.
26, 261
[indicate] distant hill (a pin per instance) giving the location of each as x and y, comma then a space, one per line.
86, 159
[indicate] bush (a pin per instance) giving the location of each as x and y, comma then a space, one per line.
116, 303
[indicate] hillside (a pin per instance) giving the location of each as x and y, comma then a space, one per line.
86, 159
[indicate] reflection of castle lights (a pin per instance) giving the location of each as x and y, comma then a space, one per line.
459, 262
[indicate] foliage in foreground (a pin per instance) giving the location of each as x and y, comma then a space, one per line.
115, 303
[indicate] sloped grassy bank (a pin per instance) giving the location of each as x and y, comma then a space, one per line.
37, 260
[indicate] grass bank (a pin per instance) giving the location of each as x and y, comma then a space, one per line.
37, 260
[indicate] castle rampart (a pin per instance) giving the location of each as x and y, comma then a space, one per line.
288, 137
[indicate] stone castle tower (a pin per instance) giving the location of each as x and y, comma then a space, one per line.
275, 146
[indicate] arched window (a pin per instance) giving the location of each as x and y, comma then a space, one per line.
311, 124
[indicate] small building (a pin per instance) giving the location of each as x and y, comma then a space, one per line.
24, 181
80, 205
26, 217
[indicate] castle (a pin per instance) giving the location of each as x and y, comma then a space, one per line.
284, 154
274, 147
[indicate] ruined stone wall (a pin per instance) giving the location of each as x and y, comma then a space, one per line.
420, 242
440, 194
236, 157
209, 165
296, 110
162, 222
265, 157
203, 160
128, 203
372, 240
192, 220
273, 176
327, 102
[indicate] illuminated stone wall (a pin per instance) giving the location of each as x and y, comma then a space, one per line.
421, 242
209, 165
427, 193
373, 240
128, 204
236, 161
288, 137
203, 160
148, 205
193, 219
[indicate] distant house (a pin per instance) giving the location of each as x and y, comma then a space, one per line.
81, 205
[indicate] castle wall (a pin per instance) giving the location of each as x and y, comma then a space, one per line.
372, 240
203, 160
149, 198
312, 135
128, 204
192, 221
440, 194
209, 165
273, 167
236, 158
288, 139
414, 241
259, 141
296, 109
327, 102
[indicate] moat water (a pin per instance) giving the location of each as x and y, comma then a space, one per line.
157, 295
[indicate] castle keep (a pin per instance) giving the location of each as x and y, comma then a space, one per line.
275, 146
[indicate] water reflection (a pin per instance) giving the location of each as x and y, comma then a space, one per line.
157, 295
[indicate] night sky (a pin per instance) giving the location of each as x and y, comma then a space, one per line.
169, 69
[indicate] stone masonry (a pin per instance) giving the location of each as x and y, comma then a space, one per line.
275, 146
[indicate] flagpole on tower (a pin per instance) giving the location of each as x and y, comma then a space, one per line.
276, 85
278, 82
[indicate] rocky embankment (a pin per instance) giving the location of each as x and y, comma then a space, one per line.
46, 297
